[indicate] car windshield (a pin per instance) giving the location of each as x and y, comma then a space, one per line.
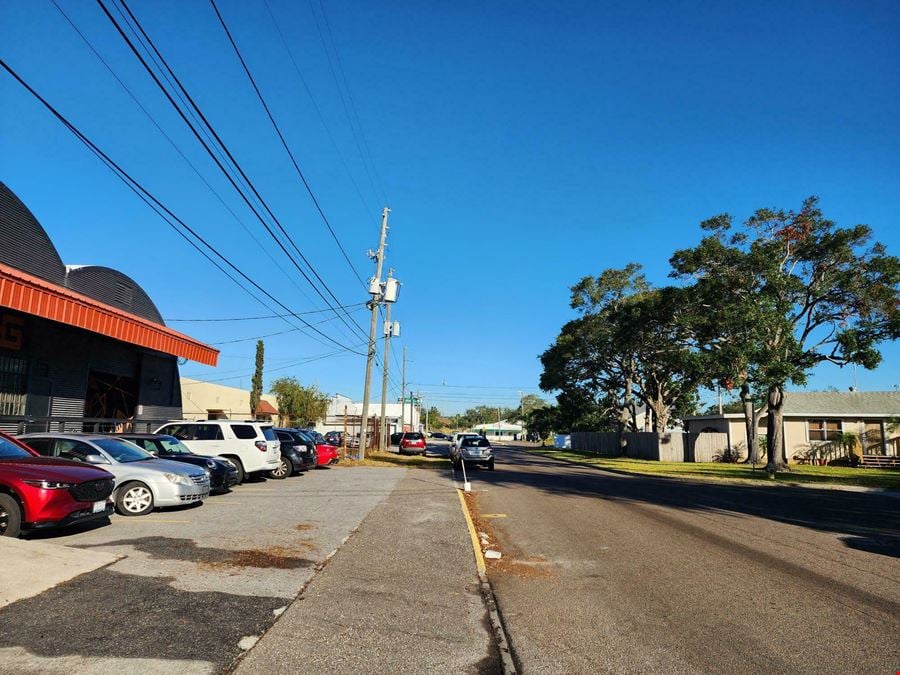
415, 436
269, 433
122, 451
9, 450
303, 435
476, 443
173, 446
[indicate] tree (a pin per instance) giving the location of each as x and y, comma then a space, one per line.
530, 402
794, 291
628, 346
298, 403
542, 421
256, 385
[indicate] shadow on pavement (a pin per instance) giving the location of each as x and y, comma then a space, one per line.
870, 521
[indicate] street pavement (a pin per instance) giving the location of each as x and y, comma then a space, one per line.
198, 585
604, 572
402, 596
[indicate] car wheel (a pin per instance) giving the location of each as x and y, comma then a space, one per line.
134, 499
285, 469
10, 517
241, 474
490, 465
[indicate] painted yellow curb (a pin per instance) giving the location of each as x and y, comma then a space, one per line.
476, 545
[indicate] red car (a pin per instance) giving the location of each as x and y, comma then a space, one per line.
327, 453
412, 442
38, 492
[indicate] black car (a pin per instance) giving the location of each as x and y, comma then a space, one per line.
298, 453
222, 473
334, 437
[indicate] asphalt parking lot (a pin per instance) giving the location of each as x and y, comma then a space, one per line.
198, 585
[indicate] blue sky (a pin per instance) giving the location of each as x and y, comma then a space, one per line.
520, 146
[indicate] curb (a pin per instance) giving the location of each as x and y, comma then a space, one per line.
487, 593
858, 489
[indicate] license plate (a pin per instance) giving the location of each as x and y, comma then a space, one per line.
99, 507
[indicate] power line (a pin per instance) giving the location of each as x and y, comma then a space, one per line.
366, 207
257, 318
179, 151
356, 137
224, 148
159, 206
260, 337
284, 143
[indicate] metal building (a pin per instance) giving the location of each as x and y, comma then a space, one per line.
81, 347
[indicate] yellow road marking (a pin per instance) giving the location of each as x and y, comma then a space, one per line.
473, 535
493, 515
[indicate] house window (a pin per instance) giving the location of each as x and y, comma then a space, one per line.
824, 430
12, 386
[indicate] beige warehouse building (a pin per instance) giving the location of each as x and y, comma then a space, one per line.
208, 401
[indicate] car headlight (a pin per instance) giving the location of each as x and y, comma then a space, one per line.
49, 484
177, 478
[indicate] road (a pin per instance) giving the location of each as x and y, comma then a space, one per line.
606, 572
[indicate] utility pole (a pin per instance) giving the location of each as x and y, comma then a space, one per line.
388, 332
376, 292
403, 393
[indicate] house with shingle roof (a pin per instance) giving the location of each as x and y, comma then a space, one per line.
818, 417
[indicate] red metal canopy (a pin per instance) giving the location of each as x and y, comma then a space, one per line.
32, 295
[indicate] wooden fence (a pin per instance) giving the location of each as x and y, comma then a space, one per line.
675, 446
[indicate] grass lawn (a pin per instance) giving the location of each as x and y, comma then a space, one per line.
395, 459
837, 475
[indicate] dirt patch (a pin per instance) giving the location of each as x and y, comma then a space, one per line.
273, 557
304, 527
513, 561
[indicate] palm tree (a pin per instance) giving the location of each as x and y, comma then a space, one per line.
849, 441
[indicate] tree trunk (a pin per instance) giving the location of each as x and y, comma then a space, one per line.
751, 423
774, 429
624, 417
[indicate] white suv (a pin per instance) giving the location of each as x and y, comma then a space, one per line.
252, 447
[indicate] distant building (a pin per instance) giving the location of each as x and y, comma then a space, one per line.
501, 431
343, 410
80, 343
212, 401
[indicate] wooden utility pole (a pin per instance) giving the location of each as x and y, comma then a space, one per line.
388, 332
374, 285
403, 395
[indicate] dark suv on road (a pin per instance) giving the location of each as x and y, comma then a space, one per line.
38, 492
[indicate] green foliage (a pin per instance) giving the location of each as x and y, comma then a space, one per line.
298, 404
256, 385
783, 293
627, 346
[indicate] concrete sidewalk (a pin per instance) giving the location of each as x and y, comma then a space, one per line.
402, 595
31, 567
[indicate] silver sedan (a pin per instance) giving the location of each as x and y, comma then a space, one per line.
143, 482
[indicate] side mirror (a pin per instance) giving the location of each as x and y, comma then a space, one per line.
96, 459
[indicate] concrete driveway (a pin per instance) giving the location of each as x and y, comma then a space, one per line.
198, 585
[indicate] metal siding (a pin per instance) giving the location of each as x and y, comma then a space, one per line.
26, 245
113, 288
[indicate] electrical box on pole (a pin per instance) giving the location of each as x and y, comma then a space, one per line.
391, 290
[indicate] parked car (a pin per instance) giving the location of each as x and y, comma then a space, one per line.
298, 453
143, 482
39, 492
327, 453
222, 473
440, 435
457, 438
335, 438
412, 442
251, 446
475, 450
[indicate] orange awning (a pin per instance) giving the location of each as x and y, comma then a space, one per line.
32, 295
